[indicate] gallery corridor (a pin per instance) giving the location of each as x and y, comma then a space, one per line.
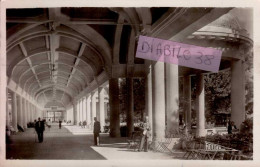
80, 67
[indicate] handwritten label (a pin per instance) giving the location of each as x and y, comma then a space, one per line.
212, 146
178, 53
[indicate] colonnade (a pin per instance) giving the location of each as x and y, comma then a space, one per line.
90, 106
238, 113
162, 100
21, 111
162, 97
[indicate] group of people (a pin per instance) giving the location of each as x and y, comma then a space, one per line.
40, 127
83, 124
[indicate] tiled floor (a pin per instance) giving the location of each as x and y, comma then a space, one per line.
73, 143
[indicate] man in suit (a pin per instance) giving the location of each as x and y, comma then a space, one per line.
39, 128
60, 124
96, 131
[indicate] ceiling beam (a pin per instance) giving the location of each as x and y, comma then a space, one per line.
213, 15
36, 94
81, 72
80, 52
46, 100
47, 78
29, 62
16, 62
83, 21
39, 52
81, 82
62, 96
16, 32
25, 37
72, 87
117, 39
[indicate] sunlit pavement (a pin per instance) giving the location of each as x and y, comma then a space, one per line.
72, 143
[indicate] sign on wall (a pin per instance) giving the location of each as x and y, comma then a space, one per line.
178, 53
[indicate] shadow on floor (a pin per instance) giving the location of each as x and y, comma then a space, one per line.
57, 144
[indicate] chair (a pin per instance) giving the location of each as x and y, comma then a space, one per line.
152, 145
163, 144
134, 141
196, 150
216, 151
168, 145
190, 148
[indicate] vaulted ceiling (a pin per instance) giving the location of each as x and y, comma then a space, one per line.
53, 54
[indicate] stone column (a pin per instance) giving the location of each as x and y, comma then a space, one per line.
238, 113
24, 114
30, 112
14, 112
172, 98
74, 114
88, 110
200, 105
130, 106
114, 108
97, 106
27, 112
7, 109
81, 110
93, 106
158, 86
84, 106
187, 102
35, 113
105, 109
20, 110
149, 99
101, 108
78, 112
82, 115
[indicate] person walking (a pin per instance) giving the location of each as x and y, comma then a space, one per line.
39, 128
60, 124
96, 132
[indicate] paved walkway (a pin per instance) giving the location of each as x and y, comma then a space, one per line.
73, 143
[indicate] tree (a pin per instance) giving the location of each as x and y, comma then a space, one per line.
217, 93
139, 97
